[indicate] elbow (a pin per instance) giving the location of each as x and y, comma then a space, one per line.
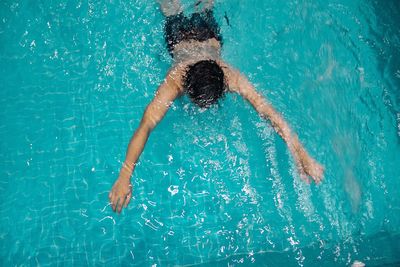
147, 124
151, 117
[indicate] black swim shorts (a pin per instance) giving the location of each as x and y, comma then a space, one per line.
200, 26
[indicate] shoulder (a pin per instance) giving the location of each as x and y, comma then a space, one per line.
232, 77
174, 78
237, 82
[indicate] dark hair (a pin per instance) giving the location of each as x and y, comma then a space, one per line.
204, 83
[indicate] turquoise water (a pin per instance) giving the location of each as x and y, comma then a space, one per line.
218, 187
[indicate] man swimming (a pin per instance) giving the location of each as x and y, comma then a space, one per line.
198, 71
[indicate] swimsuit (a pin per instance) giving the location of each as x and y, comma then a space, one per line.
200, 27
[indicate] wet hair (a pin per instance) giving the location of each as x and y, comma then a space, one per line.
204, 83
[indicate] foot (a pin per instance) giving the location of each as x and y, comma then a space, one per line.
170, 7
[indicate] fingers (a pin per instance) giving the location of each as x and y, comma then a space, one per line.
319, 173
316, 178
113, 199
117, 203
124, 204
128, 199
114, 202
128, 196
305, 178
120, 205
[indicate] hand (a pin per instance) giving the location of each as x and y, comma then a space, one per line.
121, 193
309, 167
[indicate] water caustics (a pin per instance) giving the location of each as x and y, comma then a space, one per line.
213, 187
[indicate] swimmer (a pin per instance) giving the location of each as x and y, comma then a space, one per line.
195, 45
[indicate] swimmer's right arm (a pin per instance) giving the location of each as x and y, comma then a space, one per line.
168, 91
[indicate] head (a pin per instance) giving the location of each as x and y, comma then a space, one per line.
204, 83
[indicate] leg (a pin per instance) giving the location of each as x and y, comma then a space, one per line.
202, 5
170, 7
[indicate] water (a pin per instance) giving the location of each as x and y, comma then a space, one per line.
217, 187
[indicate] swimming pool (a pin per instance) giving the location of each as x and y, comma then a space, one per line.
216, 187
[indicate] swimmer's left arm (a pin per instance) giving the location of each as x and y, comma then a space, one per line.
307, 166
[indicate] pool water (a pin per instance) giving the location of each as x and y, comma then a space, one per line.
215, 187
